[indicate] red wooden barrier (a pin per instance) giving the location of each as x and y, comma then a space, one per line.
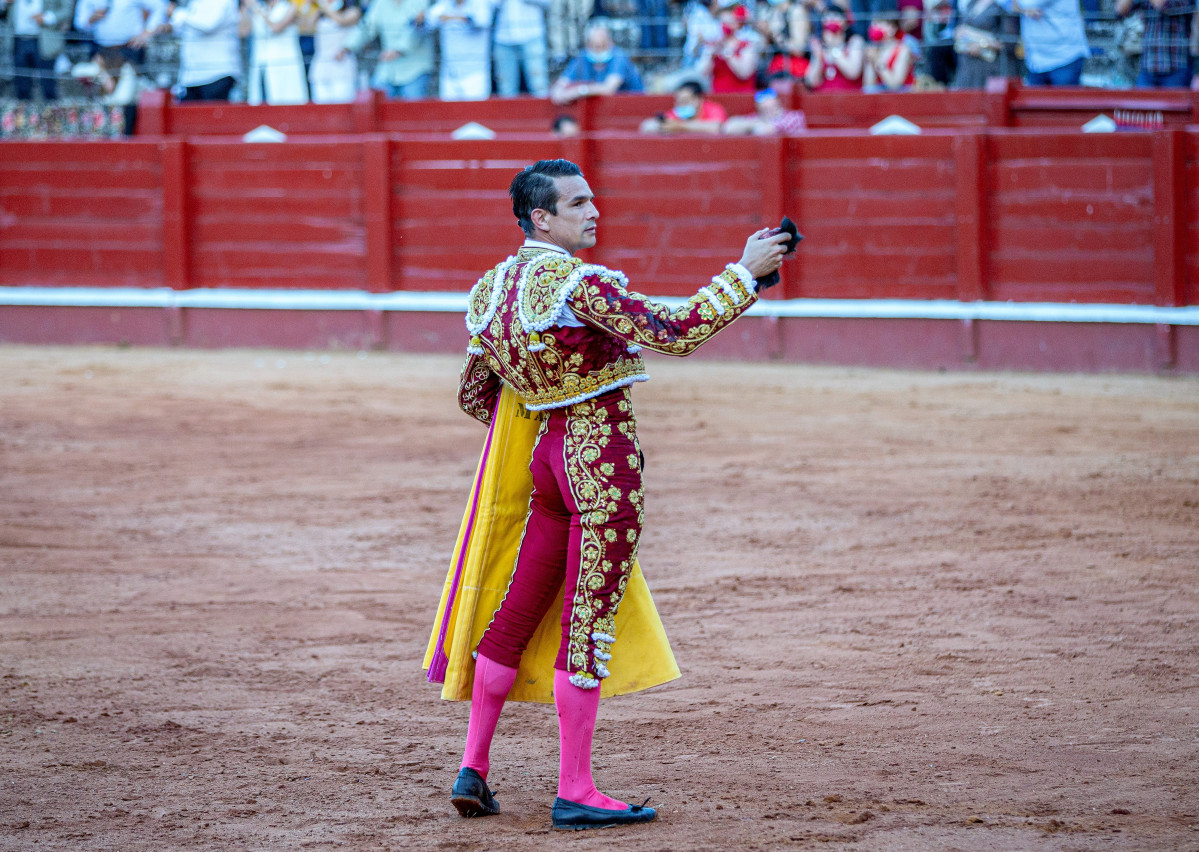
1010, 215
82, 213
1071, 218
990, 215
880, 216
1005, 103
1188, 198
272, 215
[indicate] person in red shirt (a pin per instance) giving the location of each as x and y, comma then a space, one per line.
733, 62
787, 28
890, 66
836, 56
692, 113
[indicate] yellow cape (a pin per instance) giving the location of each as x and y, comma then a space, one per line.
484, 558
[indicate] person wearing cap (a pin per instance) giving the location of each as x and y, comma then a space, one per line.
837, 56
692, 113
769, 119
732, 63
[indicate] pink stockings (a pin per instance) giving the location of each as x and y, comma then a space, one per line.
492, 682
576, 723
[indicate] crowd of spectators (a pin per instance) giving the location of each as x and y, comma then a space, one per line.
324, 51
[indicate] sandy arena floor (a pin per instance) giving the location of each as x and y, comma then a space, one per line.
914, 611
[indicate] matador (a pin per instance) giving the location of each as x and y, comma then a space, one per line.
564, 336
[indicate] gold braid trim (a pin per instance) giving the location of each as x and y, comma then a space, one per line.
602, 298
589, 433
574, 388
477, 389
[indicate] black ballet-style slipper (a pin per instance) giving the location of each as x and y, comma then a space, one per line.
471, 795
571, 816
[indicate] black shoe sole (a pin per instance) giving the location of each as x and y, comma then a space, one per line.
471, 806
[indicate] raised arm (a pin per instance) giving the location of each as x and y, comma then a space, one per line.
603, 300
366, 31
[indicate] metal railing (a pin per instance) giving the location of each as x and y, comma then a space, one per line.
1109, 65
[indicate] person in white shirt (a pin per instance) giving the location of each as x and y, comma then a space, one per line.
209, 48
405, 50
465, 27
276, 64
520, 44
127, 24
37, 27
333, 76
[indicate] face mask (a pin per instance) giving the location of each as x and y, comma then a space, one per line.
599, 58
686, 113
729, 29
832, 27
876, 33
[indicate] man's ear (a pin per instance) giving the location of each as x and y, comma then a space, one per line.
540, 218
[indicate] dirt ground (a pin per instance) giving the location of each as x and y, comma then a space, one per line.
913, 611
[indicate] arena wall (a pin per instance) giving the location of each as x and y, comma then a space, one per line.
965, 246
1005, 103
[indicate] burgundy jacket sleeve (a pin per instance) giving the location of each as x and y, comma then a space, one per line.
478, 388
603, 300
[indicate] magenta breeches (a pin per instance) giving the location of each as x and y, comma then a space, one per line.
584, 523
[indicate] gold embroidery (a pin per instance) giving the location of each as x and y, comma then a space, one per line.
513, 307
480, 298
477, 389
602, 552
574, 387
541, 294
603, 299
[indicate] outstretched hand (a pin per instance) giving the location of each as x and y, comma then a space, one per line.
763, 254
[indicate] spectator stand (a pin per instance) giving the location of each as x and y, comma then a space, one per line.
640, 34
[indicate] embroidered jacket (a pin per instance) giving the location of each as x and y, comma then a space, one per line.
515, 316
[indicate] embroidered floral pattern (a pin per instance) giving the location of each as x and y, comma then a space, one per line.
478, 389
604, 300
543, 289
512, 314
484, 297
512, 318
608, 495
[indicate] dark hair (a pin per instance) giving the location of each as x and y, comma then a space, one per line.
561, 120
691, 86
533, 188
